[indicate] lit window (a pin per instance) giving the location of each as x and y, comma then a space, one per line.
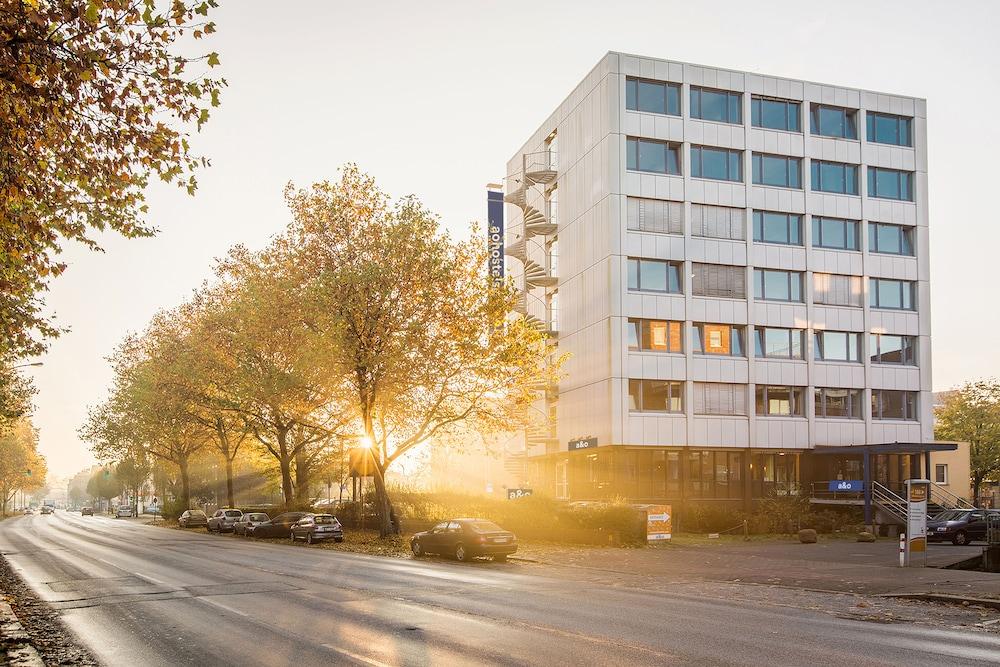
780, 401
718, 339
654, 335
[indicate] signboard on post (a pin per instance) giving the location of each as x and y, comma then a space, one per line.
582, 443
846, 485
917, 491
659, 522
494, 233
518, 493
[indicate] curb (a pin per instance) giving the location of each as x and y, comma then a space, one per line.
993, 603
15, 642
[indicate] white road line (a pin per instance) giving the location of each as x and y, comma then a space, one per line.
222, 606
349, 654
149, 578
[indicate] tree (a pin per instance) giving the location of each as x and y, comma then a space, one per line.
22, 468
133, 470
104, 484
15, 395
95, 98
417, 340
972, 414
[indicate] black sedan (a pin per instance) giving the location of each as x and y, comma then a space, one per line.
279, 526
316, 527
192, 518
465, 539
959, 526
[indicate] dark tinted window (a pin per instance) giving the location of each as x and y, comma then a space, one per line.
653, 97
485, 526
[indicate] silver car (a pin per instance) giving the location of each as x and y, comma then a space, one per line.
248, 521
222, 521
123, 510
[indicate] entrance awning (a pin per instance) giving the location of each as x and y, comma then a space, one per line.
888, 448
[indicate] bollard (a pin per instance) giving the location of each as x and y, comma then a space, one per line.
902, 549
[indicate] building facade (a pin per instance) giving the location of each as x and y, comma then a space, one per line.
737, 267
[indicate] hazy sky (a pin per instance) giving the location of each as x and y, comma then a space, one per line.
432, 98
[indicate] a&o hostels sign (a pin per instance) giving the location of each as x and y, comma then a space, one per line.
494, 232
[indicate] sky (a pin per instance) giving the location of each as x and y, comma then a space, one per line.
433, 98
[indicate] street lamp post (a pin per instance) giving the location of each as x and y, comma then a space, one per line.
34, 363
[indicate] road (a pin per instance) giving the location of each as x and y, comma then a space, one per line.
140, 595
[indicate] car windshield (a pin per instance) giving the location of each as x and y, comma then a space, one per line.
197, 513
256, 517
485, 526
234, 513
953, 515
324, 518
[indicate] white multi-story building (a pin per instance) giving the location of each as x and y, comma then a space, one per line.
737, 266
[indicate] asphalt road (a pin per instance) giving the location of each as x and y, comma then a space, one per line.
139, 595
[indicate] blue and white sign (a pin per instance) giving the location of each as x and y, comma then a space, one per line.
494, 233
847, 485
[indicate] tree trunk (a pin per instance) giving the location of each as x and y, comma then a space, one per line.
230, 496
301, 477
386, 515
185, 483
285, 466
977, 481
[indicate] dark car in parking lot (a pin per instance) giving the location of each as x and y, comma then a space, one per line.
192, 518
959, 526
248, 521
87, 511
279, 526
465, 539
316, 527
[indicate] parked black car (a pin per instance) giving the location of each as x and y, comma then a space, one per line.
316, 527
192, 518
465, 539
87, 511
279, 526
959, 526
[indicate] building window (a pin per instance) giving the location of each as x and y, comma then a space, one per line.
885, 128
654, 275
658, 157
655, 215
718, 222
835, 233
941, 473
835, 177
835, 403
777, 343
833, 122
714, 474
654, 335
772, 285
890, 404
720, 164
891, 294
890, 184
771, 227
717, 105
653, 96
838, 346
837, 290
890, 239
774, 114
778, 401
721, 280
890, 349
655, 396
720, 398
718, 339
777, 170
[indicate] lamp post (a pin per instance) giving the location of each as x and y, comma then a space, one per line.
34, 363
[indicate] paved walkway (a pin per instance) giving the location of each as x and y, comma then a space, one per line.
830, 565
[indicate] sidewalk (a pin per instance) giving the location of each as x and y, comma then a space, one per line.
836, 565
15, 644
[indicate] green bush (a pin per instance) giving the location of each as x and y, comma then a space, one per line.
173, 508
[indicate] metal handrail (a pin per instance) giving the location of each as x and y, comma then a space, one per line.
949, 500
889, 501
541, 161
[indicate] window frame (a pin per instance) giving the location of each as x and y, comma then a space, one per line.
850, 177
878, 405
817, 232
758, 220
874, 293
697, 170
642, 324
906, 234
796, 401
670, 148
873, 178
670, 265
757, 113
820, 345
856, 403
737, 332
941, 479
850, 121
671, 385
875, 354
760, 295
668, 86
757, 170
761, 347
695, 107
871, 124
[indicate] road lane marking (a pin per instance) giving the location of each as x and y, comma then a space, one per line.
355, 656
215, 603
149, 578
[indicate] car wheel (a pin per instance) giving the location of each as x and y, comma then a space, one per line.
418, 550
338, 539
461, 554
292, 535
961, 539
309, 538
500, 558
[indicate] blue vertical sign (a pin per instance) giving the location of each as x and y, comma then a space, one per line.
494, 231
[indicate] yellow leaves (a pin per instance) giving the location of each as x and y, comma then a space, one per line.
213, 59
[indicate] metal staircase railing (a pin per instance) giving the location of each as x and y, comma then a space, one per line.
890, 503
948, 500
